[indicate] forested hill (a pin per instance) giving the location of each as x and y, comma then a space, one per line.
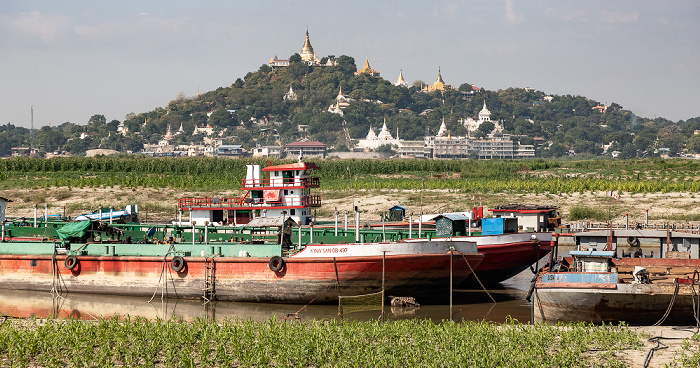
256, 102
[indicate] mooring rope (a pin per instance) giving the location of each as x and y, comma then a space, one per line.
670, 306
657, 339
477, 278
160, 278
312, 300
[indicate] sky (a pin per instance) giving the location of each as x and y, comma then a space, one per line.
72, 59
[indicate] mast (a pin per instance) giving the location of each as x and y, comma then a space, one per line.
31, 131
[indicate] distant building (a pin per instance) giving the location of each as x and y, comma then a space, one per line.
230, 150
401, 82
306, 148
439, 84
341, 102
473, 125
268, 151
307, 54
367, 70
373, 141
290, 95
414, 149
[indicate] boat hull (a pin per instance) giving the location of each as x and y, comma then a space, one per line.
249, 279
506, 255
635, 304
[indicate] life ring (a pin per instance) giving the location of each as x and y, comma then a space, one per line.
276, 263
633, 241
177, 264
71, 262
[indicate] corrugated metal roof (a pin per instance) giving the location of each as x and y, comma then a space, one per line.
452, 216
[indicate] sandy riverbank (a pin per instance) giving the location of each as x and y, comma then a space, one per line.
161, 204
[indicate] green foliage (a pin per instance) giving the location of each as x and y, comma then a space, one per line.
587, 213
141, 342
470, 176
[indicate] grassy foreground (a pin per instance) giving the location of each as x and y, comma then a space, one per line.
405, 343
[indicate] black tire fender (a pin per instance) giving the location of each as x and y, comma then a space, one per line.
633, 241
177, 264
71, 262
276, 263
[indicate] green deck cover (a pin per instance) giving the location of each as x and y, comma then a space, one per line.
74, 230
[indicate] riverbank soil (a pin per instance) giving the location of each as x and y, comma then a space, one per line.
161, 204
678, 340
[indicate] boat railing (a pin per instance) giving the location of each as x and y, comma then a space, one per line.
309, 182
592, 226
209, 202
306, 201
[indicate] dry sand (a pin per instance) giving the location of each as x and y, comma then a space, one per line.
160, 205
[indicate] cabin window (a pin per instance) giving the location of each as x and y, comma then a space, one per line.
292, 192
292, 212
285, 192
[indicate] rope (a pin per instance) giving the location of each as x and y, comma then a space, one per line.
312, 300
477, 278
670, 306
160, 278
655, 348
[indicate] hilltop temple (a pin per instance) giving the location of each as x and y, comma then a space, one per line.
484, 115
367, 70
439, 84
401, 82
307, 54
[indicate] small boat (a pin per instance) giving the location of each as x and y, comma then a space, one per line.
601, 282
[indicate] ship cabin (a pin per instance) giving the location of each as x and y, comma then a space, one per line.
3, 205
285, 192
530, 216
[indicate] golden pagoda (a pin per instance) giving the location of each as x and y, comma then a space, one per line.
367, 70
439, 84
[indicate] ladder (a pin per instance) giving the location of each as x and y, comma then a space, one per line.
209, 280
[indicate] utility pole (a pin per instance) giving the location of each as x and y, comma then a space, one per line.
31, 132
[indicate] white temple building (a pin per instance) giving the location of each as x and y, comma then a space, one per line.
401, 82
443, 129
374, 141
341, 102
290, 95
484, 115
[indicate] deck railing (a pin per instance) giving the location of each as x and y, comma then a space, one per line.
306, 201
310, 182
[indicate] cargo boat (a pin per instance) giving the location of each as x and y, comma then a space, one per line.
243, 271
285, 192
259, 260
601, 282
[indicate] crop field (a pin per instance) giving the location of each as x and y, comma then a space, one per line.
469, 176
245, 343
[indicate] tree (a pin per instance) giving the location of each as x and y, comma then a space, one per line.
670, 137
221, 118
484, 129
694, 144
385, 148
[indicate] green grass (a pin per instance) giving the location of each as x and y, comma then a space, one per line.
239, 343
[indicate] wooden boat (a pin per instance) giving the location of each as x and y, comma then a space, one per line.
660, 285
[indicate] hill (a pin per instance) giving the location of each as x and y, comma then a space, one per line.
254, 111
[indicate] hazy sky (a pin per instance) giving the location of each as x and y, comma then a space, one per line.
71, 59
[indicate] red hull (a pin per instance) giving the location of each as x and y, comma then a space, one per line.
239, 279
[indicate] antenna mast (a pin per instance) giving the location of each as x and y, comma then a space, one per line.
31, 132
